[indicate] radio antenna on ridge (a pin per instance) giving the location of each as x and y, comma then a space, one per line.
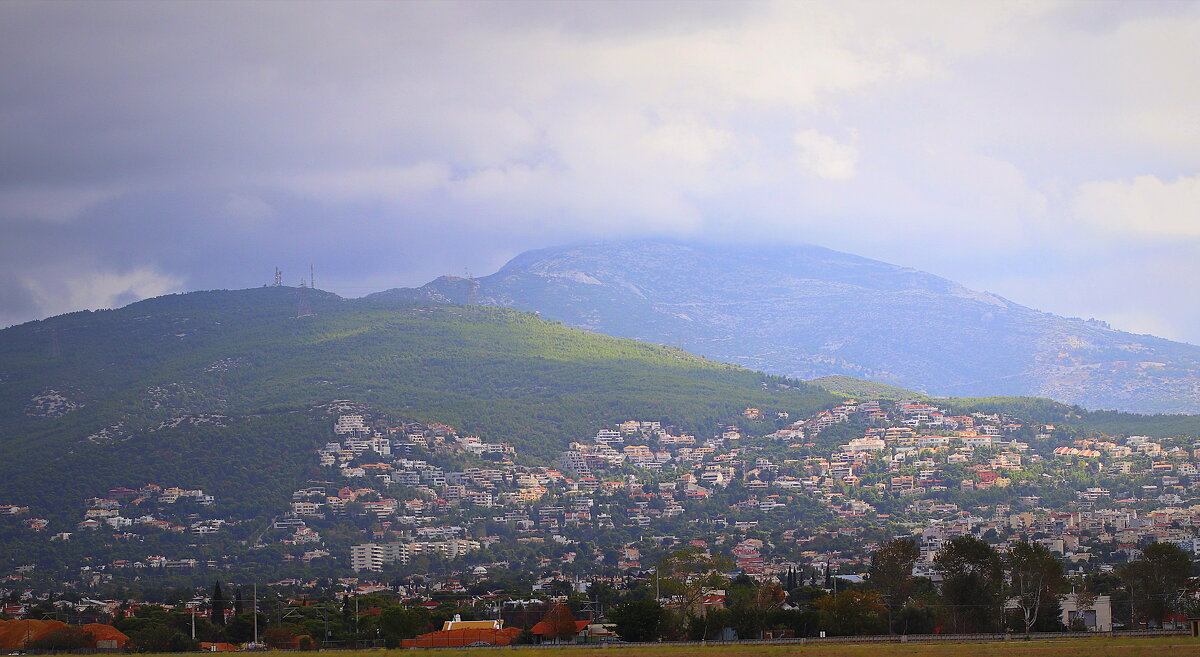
303, 309
472, 286
312, 277
278, 278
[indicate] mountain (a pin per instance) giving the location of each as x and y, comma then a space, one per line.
808, 312
230, 391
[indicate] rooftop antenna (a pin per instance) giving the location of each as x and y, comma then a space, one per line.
278, 278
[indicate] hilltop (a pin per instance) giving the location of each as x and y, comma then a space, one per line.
807, 312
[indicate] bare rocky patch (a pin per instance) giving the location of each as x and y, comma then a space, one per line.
50, 403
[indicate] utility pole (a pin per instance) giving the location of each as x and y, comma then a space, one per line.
256, 614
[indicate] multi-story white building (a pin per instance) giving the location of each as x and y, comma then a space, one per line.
350, 424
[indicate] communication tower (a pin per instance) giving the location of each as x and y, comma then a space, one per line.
304, 309
472, 287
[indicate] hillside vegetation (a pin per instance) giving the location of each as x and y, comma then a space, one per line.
226, 389
862, 389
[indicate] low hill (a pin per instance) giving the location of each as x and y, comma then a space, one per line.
231, 391
807, 312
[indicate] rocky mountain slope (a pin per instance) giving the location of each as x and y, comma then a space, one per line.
808, 312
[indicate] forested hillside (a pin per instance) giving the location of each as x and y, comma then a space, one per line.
224, 390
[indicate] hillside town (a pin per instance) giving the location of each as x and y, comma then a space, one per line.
430, 514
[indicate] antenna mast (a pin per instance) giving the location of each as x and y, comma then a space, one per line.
304, 309
278, 277
472, 287
312, 277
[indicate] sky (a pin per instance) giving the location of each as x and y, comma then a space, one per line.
1048, 152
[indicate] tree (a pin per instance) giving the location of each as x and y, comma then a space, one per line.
404, 622
748, 604
637, 620
1155, 579
852, 612
972, 583
241, 627
279, 637
161, 638
63, 638
685, 576
1037, 579
560, 624
891, 573
218, 605
688, 573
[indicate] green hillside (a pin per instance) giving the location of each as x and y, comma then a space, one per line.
222, 390
862, 389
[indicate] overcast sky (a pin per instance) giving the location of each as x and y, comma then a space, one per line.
1047, 152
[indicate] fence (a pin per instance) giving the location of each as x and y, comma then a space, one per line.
876, 638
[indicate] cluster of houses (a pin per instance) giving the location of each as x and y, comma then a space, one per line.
814, 495
906, 460
148, 507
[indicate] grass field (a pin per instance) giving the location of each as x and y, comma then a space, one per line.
1169, 646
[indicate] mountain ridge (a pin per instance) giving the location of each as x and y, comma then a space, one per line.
808, 311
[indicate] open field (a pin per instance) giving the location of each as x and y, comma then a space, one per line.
1169, 646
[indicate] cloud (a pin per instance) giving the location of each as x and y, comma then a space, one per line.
202, 145
824, 156
52, 204
90, 290
1144, 208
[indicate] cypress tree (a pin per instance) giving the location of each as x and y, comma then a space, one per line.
218, 605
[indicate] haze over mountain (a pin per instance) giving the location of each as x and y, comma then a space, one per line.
808, 311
